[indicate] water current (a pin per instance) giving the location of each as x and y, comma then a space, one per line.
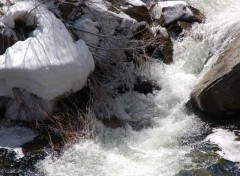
168, 144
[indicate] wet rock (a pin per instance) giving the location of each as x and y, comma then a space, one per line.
179, 29
224, 167
74, 103
139, 125
193, 172
158, 43
113, 122
218, 93
175, 31
161, 49
198, 16
221, 168
137, 11
11, 165
185, 26
120, 86
141, 31
141, 85
170, 12
136, 124
145, 86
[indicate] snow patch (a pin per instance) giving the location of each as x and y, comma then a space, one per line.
19, 153
158, 9
136, 2
230, 148
47, 64
109, 21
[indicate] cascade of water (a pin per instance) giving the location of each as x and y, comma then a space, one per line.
156, 150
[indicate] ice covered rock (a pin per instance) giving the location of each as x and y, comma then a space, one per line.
87, 30
111, 22
48, 63
170, 12
115, 29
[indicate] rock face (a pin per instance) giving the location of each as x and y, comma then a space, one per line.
218, 92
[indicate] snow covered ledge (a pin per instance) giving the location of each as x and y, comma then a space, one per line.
48, 63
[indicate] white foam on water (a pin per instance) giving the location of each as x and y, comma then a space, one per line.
151, 151
221, 27
226, 140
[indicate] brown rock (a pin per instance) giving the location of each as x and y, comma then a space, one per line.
113, 122
218, 92
185, 26
198, 16
145, 86
161, 48
179, 28
140, 13
158, 47
167, 50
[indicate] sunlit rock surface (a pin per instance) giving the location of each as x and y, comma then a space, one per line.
218, 91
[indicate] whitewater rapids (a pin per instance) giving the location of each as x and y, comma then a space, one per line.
156, 150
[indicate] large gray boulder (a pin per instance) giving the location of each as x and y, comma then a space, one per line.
218, 92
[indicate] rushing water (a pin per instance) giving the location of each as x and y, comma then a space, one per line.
164, 147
